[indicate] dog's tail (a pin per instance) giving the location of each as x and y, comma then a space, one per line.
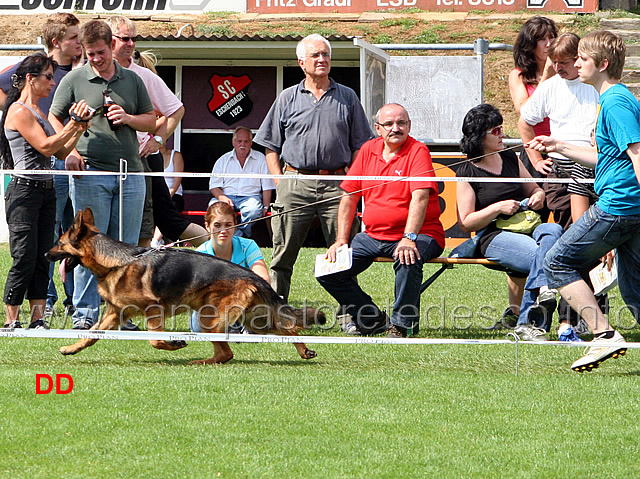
305, 318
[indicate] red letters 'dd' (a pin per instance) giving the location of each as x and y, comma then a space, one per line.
58, 383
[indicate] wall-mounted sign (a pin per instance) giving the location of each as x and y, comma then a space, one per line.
359, 6
289, 6
122, 6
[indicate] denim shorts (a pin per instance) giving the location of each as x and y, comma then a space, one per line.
590, 238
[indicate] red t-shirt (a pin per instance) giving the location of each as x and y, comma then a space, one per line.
386, 206
544, 127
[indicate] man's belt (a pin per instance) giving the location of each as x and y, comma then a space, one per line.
339, 171
44, 184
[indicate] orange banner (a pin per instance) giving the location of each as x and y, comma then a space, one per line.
360, 6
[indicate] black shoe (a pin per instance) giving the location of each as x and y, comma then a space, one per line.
39, 324
509, 320
82, 326
378, 326
396, 332
236, 328
129, 326
14, 325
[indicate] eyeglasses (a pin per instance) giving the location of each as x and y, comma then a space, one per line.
387, 125
497, 131
319, 54
48, 76
126, 39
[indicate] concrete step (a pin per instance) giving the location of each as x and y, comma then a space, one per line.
620, 24
632, 36
632, 63
631, 77
635, 89
633, 51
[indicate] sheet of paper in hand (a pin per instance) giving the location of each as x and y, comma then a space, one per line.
343, 262
603, 279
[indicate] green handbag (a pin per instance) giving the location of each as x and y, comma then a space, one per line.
522, 222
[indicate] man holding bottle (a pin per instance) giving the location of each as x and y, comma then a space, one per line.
102, 149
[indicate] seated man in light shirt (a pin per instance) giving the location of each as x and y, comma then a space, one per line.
251, 196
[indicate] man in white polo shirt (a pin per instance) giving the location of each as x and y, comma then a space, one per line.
251, 196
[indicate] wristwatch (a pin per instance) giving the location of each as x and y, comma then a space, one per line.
159, 140
410, 236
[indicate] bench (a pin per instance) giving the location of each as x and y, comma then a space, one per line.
446, 263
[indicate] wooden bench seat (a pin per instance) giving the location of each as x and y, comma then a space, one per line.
447, 263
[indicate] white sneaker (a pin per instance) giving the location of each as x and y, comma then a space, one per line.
594, 355
156, 243
527, 332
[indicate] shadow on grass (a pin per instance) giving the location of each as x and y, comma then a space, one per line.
266, 362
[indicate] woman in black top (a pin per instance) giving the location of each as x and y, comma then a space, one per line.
480, 204
27, 142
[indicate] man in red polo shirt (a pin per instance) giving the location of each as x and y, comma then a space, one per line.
402, 222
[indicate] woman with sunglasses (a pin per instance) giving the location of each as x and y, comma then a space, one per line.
480, 204
27, 142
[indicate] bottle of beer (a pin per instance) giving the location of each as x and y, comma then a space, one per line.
107, 102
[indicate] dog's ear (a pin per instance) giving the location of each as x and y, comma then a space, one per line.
87, 216
77, 220
82, 220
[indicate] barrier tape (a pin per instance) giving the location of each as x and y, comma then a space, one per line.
302, 177
268, 338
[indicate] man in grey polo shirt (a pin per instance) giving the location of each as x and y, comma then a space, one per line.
313, 128
102, 150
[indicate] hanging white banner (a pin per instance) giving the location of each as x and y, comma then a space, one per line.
150, 7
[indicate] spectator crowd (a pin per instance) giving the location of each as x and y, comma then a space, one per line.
94, 100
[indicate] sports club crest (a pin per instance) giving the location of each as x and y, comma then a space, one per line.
230, 102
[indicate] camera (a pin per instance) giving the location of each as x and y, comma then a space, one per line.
92, 112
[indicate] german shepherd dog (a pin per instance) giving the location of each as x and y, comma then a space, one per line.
135, 281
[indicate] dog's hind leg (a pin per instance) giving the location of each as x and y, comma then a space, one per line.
221, 350
221, 354
109, 321
303, 351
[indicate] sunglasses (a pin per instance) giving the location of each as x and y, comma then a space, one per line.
126, 39
497, 131
48, 76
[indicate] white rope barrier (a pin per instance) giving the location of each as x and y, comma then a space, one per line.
268, 338
258, 338
302, 177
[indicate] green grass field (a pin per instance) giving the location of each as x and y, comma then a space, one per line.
369, 411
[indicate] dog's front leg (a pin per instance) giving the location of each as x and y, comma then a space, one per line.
155, 322
109, 321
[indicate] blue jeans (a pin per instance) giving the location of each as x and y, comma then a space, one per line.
525, 254
587, 240
64, 219
101, 194
353, 300
250, 208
